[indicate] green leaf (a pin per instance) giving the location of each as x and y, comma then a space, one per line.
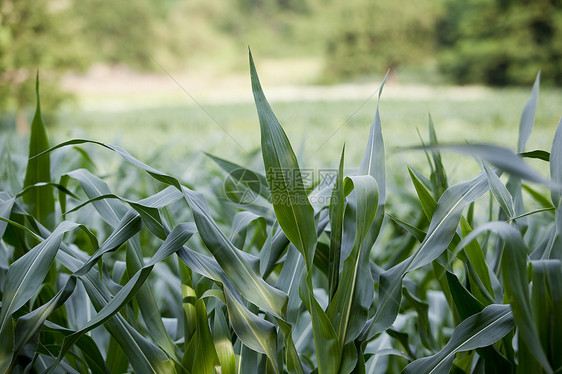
528, 115
424, 327
23, 279
438, 175
177, 238
538, 154
127, 227
546, 303
427, 201
441, 231
514, 274
477, 261
88, 348
38, 169
206, 359
500, 192
255, 332
223, 345
556, 166
290, 202
500, 157
328, 351
241, 267
289, 279
337, 202
349, 308
480, 330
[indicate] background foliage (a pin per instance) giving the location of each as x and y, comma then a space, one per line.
485, 41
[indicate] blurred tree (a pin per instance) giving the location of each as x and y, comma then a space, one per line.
121, 31
502, 42
35, 34
370, 37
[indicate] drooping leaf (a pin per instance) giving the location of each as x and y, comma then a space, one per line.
479, 330
514, 274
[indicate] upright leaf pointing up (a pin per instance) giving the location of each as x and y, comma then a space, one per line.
38, 169
290, 202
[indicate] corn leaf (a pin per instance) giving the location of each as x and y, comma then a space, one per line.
480, 330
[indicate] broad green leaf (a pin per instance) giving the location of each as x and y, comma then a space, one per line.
348, 310
38, 169
438, 176
95, 187
289, 279
28, 324
441, 231
514, 274
113, 212
427, 201
373, 164
206, 359
177, 238
546, 303
337, 202
147, 301
60, 187
87, 346
240, 223
223, 345
290, 202
480, 330
500, 157
539, 154
23, 279
467, 305
477, 261
6, 205
255, 332
528, 116
127, 227
326, 343
424, 327
241, 267
144, 356
556, 166
500, 192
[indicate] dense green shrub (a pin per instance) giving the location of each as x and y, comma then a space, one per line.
500, 42
371, 37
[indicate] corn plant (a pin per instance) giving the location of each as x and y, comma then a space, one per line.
297, 279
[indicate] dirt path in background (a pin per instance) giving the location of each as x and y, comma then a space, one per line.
282, 81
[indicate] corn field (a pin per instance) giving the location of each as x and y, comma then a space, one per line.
272, 271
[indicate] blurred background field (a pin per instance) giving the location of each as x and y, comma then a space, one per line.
169, 79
